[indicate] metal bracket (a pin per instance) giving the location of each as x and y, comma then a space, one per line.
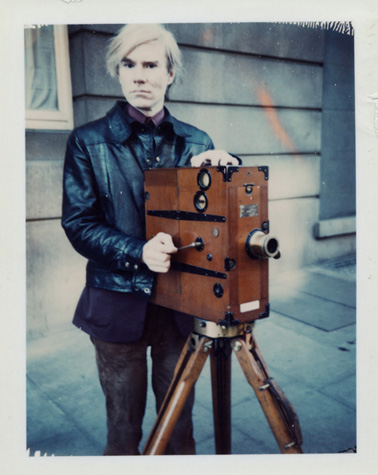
227, 172
228, 320
183, 267
265, 170
186, 216
266, 313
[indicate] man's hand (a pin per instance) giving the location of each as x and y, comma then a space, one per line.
157, 253
213, 158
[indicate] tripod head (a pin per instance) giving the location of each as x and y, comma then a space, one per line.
218, 219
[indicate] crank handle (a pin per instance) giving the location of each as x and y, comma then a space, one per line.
188, 246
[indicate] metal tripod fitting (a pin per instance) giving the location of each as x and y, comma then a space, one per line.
194, 341
214, 330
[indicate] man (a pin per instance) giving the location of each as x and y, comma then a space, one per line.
103, 216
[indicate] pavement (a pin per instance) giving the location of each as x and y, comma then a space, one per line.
308, 343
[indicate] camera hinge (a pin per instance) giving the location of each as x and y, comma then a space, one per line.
227, 172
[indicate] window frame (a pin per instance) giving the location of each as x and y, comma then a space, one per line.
62, 119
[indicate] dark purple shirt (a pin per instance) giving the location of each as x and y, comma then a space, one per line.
137, 115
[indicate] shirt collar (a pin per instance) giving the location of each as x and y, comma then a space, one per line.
120, 122
137, 115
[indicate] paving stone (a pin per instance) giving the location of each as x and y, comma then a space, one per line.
203, 423
326, 285
251, 433
334, 338
343, 390
44, 418
312, 310
327, 426
309, 362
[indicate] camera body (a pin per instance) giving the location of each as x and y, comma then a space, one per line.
222, 212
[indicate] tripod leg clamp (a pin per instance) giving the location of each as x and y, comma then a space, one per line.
287, 410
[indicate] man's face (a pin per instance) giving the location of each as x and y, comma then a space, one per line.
144, 77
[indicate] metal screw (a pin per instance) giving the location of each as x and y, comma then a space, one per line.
207, 346
237, 345
289, 445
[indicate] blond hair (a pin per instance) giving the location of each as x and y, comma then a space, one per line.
133, 35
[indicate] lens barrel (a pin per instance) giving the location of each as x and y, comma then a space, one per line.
259, 244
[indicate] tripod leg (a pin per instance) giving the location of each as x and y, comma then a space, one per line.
221, 389
277, 409
187, 371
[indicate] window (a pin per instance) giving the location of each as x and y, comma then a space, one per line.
48, 92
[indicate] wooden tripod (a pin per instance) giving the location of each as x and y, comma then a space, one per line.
219, 342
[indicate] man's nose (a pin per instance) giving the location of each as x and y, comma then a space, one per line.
139, 75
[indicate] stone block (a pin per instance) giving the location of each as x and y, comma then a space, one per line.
88, 65
249, 130
270, 39
45, 145
338, 133
87, 109
44, 189
233, 78
339, 90
55, 278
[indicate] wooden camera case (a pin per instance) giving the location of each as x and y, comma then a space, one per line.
224, 210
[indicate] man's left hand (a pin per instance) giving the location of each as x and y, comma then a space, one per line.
213, 158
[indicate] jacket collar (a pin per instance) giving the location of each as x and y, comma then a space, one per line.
120, 123
179, 127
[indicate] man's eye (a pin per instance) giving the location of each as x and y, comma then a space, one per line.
124, 64
151, 65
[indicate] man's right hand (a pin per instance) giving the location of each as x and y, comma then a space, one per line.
157, 253
213, 158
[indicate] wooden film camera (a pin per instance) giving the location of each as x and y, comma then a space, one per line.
218, 218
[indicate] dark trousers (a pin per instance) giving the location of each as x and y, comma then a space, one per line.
122, 369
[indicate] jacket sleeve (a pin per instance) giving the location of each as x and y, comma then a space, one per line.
83, 219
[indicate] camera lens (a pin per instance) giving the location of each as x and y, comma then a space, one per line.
200, 201
204, 179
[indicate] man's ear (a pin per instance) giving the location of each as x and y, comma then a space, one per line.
171, 77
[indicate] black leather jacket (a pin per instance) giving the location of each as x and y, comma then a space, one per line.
103, 192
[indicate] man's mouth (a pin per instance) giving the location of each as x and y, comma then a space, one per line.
141, 91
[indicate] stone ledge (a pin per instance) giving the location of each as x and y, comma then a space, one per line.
335, 227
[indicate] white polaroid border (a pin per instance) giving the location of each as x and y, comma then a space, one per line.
364, 16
